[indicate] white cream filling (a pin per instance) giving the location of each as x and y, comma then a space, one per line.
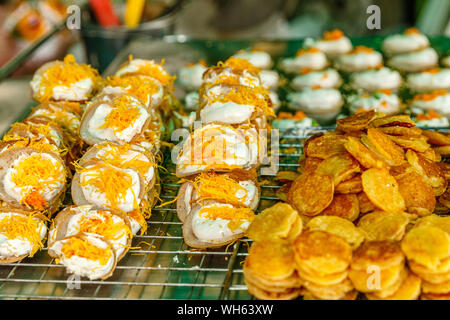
191, 77
440, 104
245, 79
85, 267
110, 152
314, 61
354, 62
46, 191
98, 119
372, 80
259, 59
380, 102
214, 231
18, 246
433, 123
191, 100
238, 152
415, 61
330, 47
403, 43
227, 112
427, 81
135, 65
269, 79
72, 121
326, 79
285, 124
315, 100
120, 240
127, 203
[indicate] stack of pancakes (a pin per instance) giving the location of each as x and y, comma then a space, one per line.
322, 261
270, 273
378, 269
427, 247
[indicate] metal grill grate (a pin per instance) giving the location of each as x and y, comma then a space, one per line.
164, 267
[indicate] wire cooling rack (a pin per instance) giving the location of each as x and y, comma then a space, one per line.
163, 267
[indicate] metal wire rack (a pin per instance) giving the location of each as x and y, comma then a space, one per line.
163, 267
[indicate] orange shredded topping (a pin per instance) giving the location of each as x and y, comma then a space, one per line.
34, 173
211, 186
246, 96
139, 218
433, 70
361, 49
104, 226
411, 31
84, 249
35, 200
299, 115
64, 74
305, 71
19, 226
428, 116
114, 156
310, 50
111, 181
333, 35
236, 216
141, 88
430, 96
155, 70
240, 64
122, 116
387, 92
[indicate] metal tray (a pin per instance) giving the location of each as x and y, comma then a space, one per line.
164, 267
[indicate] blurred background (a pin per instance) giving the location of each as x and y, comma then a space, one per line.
113, 22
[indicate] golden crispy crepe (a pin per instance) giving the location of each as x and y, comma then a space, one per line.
337, 226
365, 157
271, 259
358, 121
352, 295
344, 206
435, 221
334, 292
429, 170
381, 145
409, 290
280, 221
325, 146
380, 225
365, 205
426, 245
401, 120
417, 193
261, 294
340, 167
352, 185
436, 138
311, 193
375, 279
382, 190
322, 252
384, 254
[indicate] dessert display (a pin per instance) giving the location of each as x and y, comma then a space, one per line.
102, 137
362, 217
